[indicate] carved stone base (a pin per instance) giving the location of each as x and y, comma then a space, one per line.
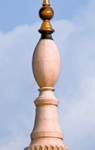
46, 148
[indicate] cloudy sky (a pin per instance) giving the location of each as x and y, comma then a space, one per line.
74, 23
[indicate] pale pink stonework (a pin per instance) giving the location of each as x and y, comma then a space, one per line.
46, 134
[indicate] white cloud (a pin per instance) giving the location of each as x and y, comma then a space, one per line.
75, 88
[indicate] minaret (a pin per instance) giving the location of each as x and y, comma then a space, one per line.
46, 134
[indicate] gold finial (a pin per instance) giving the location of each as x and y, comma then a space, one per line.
46, 13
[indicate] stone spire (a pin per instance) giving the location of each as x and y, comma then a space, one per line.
46, 134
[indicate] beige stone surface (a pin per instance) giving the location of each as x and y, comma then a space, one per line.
46, 133
46, 63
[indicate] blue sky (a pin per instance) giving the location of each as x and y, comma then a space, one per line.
21, 12
74, 23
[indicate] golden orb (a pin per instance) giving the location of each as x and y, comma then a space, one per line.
46, 13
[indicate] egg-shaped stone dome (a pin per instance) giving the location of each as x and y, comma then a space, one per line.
46, 63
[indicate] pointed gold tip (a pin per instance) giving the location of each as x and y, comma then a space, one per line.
46, 3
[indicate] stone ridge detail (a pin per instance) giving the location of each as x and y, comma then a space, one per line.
47, 148
48, 134
46, 102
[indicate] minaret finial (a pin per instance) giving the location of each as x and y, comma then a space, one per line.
46, 134
46, 13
